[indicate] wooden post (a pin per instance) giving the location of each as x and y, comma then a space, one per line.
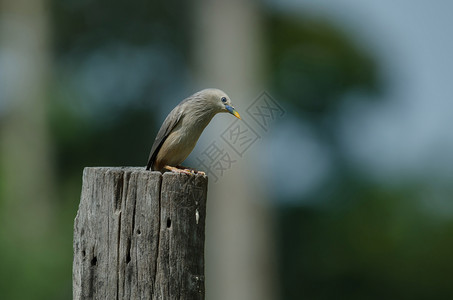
139, 235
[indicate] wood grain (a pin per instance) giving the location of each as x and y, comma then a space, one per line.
139, 235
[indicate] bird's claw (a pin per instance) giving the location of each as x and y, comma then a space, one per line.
193, 171
184, 170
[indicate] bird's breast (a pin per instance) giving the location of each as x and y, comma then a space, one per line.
181, 141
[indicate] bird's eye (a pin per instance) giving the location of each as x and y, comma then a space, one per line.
224, 100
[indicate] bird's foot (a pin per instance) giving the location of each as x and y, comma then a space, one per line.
192, 170
178, 170
184, 170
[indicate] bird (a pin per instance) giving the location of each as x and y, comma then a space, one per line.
183, 126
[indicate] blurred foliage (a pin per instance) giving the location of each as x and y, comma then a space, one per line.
374, 243
312, 64
356, 239
86, 143
86, 25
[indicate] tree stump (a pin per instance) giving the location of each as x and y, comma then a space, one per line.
139, 235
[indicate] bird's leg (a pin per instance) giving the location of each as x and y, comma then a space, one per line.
184, 170
192, 170
177, 170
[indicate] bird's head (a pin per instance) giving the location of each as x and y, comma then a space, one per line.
220, 100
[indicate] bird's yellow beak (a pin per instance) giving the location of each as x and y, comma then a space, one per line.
233, 111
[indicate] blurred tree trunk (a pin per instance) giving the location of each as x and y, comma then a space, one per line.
239, 251
26, 168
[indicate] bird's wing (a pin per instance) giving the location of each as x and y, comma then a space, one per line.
170, 122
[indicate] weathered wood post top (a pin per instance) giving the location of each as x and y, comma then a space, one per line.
139, 235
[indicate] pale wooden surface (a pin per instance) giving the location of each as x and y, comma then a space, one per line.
139, 235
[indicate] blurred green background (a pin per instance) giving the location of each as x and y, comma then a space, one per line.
357, 174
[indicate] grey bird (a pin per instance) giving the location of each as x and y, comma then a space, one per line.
183, 126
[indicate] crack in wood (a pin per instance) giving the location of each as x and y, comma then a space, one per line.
159, 199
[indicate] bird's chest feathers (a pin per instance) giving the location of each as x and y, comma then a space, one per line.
184, 137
